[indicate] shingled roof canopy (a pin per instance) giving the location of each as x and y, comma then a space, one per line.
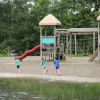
49, 20
98, 18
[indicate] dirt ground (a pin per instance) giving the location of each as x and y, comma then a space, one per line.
73, 67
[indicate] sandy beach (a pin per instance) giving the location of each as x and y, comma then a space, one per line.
75, 69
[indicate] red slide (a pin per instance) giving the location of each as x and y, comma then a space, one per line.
25, 54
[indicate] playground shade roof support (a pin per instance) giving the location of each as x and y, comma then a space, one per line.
49, 20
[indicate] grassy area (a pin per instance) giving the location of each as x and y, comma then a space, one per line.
54, 90
3, 55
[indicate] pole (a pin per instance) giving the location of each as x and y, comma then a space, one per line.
93, 42
67, 43
54, 41
75, 45
70, 43
98, 43
40, 42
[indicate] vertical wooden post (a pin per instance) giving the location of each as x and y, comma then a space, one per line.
98, 43
94, 42
75, 45
67, 43
70, 44
54, 41
40, 42
45, 31
59, 45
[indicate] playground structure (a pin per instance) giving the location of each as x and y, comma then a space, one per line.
80, 41
49, 42
93, 56
65, 42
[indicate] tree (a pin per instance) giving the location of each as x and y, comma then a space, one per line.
15, 23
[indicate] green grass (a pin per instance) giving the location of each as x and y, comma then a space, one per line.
54, 90
3, 55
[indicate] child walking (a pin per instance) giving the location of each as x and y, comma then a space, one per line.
18, 63
44, 66
57, 65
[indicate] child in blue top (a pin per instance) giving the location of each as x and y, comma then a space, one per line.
18, 63
57, 65
44, 66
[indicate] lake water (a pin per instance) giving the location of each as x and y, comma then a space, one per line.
5, 94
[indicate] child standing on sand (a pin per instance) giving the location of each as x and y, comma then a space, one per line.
44, 66
57, 65
18, 63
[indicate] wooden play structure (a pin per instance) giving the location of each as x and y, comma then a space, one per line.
80, 41
65, 42
93, 56
48, 41
97, 52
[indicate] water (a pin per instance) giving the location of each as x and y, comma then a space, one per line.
5, 94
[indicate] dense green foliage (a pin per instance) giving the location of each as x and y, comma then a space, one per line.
50, 90
19, 20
